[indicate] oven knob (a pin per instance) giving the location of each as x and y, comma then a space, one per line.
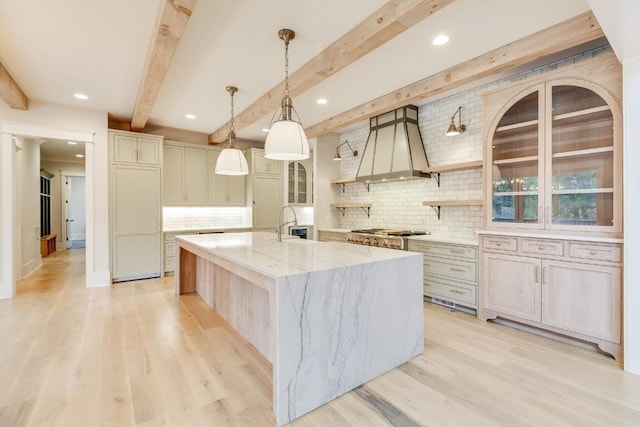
365, 241
374, 242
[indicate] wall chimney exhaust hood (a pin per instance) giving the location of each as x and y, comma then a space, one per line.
394, 148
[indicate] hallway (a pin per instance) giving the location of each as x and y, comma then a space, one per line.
135, 354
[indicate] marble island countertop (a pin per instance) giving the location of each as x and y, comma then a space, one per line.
261, 252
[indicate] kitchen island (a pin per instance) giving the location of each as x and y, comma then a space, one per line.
329, 316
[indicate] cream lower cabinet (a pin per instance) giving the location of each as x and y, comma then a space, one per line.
450, 272
572, 288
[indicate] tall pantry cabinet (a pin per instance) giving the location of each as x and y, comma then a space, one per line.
264, 190
135, 173
551, 253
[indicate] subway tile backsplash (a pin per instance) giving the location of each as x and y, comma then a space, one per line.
185, 218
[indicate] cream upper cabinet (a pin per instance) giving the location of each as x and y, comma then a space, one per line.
264, 166
184, 175
223, 190
299, 185
131, 148
553, 153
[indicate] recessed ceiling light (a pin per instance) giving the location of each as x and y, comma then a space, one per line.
189, 116
322, 101
440, 40
71, 142
80, 155
265, 130
81, 96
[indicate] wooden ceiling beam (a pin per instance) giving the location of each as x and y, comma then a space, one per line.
10, 91
565, 35
172, 20
384, 24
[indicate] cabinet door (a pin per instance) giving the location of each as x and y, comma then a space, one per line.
137, 236
195, 169
125, 149
267, 202
149, 151
236, 191
217, 184
302, 177
512, 286
173, 176
582, 298
263, 165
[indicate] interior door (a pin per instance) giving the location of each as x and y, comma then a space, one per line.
75, 211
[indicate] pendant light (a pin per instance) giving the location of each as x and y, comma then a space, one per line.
231, 161
286, 139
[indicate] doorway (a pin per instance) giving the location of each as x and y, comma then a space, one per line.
75, 212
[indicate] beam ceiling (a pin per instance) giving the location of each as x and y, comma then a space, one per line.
172, 20
570, 33
10, 92
387, 22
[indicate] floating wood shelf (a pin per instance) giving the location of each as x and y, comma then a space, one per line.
342, 181
435, 171
366, 207
437, 204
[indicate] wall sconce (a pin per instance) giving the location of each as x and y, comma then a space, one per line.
453, 130
337, 155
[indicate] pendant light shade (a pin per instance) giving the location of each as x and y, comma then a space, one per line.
232, 161
286, 139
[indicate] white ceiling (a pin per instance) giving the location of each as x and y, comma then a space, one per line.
53, 150
54, 49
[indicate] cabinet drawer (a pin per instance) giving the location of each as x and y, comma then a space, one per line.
450, 291
500, 243
594, 252
443, 249
169, 248
457, 270
169, 264
541, 247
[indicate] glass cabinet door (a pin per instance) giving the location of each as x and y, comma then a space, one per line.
302, 183
291, 183
581, 160
515, 163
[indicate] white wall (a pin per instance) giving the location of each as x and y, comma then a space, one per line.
631, 174
27, 161
60, 122
57, 195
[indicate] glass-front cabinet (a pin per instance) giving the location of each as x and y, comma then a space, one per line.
299, 183
554, 159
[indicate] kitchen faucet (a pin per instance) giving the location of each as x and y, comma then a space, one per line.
295, 221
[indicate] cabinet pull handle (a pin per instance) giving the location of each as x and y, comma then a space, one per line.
455, 251
540, 248
498, 244
456, 292
544, 278
457, 269
536, 274
592, 253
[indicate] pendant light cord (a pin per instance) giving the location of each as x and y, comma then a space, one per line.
286, 67
231, 127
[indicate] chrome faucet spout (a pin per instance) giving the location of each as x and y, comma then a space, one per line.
294, 222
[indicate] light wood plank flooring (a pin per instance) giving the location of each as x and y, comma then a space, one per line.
135, 354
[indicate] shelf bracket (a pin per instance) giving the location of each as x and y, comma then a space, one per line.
342, 184
436, 175
437, 210
366, 185
367, 211
341, 210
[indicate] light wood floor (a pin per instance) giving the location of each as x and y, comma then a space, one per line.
135, 354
